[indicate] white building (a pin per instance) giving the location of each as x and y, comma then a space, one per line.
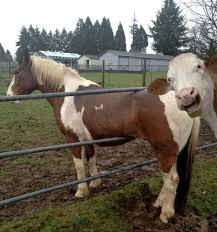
125, 61
89, 62
63, 57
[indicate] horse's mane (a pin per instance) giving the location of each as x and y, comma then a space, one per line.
47, 71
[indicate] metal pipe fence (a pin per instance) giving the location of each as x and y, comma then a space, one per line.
61, 146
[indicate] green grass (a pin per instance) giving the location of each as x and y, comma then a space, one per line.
101, 213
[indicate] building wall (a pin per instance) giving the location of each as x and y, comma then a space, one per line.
93, 63
111, 61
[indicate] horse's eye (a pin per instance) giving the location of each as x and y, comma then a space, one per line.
198, 66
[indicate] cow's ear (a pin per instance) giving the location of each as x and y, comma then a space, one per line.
211, 64
159, 87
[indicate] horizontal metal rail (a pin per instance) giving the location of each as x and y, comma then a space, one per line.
74, 183
60, 146
67, 94
23, 152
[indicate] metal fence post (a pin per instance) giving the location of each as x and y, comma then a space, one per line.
144, 74
103, 73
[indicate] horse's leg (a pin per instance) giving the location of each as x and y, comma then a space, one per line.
91, 160
79, 156
80, 165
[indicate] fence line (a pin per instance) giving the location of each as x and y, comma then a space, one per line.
67, 94
60, 146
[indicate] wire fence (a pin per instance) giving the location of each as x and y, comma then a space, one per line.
109, 76
61, 146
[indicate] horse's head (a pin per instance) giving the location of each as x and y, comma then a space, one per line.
23, 81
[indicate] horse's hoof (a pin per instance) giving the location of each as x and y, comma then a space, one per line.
163, 218
81, 193
95, 183
166, 215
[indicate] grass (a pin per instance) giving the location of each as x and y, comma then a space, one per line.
101, 213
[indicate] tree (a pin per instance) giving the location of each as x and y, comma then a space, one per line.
2, 53
120, 40
96, 34
22, 43
134, 31
56, 40
63, 40
8, 55
106, 38
204, 31
169, 31
44, 40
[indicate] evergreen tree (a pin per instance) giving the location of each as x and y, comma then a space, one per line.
50, 42
69, 47
22, 43
2, 53
120, 40
106, 35
142, 42
88, 39
63, 40
8, 55
169, 31
96, 34
56, 40
44, 40
76, 44
134, 31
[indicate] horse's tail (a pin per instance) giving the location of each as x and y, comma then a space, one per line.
184, 166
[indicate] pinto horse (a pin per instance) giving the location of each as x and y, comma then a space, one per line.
171, 132
195, 84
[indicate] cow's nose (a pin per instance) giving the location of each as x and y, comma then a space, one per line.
186, 96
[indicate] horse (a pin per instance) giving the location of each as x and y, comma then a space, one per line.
171, 132
195, 83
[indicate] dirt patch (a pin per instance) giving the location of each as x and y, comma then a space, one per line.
32, 173
143, 217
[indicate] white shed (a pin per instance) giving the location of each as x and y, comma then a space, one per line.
134, 61
89, 62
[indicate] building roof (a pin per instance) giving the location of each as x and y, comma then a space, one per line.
139, 55
96, 57
63, 55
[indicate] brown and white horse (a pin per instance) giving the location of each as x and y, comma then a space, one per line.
171, 132
195, 84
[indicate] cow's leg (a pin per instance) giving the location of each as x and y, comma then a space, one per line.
171, 181
166, 198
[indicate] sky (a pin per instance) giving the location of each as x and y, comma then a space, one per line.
52, 14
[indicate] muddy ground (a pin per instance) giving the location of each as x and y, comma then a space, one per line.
48, 169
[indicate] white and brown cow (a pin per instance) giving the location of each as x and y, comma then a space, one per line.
171, 132
195, 84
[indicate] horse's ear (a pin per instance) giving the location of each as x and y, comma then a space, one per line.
26, 56
159, 87
211, 63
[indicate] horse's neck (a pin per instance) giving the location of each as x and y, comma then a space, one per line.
56, 103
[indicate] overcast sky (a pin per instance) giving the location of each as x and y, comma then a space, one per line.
52, 14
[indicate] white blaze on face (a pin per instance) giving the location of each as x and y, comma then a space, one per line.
187, 70
9, 91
